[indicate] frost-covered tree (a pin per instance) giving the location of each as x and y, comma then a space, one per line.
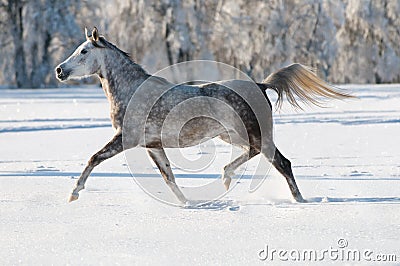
12, 21
346, 40
156, 33
369, 39
38, 30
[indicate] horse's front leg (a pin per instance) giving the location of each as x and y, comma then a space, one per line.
160, 159
112, 148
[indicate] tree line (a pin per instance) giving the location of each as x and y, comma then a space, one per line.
347, 41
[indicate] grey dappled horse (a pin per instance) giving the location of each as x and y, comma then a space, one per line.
121, 77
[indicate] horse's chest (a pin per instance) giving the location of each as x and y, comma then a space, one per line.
117, 112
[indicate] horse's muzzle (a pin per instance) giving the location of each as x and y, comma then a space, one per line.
61, 73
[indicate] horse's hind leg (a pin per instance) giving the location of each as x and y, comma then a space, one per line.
283, 165
112, 148
229, 169
160, 159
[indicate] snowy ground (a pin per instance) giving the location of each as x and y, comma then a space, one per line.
346, 160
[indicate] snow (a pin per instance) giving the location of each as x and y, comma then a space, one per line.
346, 160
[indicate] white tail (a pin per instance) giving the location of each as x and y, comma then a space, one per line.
301, 81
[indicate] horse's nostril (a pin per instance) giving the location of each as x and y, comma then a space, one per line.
58, 70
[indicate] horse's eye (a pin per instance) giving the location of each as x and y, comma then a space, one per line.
84, 51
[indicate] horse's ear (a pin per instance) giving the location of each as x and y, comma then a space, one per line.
87, 34
95, 34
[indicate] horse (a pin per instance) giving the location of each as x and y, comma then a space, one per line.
121, 77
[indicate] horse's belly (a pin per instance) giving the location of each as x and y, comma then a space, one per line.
192, 133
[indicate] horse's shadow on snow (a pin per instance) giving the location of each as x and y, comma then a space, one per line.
354, 200
209, 205
235, 206
216, 205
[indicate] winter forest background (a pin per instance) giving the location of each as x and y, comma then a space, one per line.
348, 41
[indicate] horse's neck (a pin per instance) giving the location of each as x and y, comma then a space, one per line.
120, 77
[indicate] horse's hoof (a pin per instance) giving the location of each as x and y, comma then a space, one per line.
301, 200
73, 197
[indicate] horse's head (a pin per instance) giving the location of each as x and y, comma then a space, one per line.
84, 61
